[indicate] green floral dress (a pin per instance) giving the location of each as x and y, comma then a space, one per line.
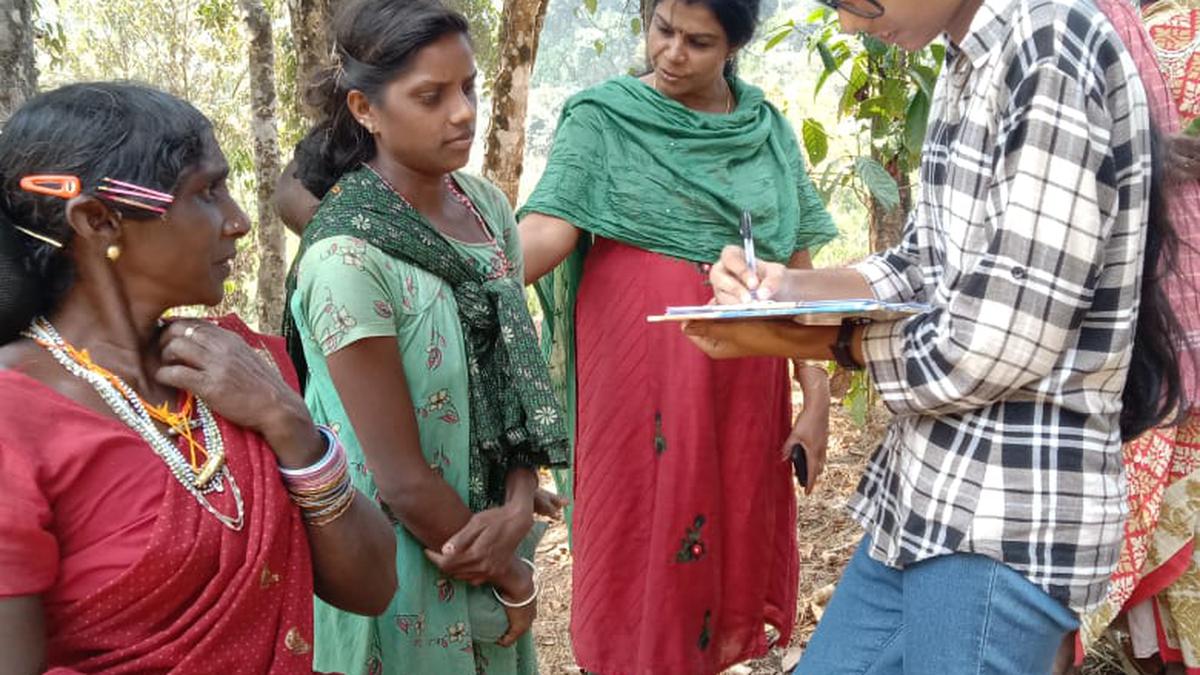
348, 290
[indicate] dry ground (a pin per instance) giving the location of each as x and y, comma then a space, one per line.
826, 538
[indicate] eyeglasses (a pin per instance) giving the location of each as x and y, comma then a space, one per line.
867, 9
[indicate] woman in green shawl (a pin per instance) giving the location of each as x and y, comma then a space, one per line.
684, 509
408, 323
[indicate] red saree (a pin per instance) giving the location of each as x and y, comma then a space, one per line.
134, 575
685, 541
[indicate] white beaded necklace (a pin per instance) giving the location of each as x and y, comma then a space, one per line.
127, 405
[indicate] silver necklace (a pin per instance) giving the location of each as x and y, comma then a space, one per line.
127, 406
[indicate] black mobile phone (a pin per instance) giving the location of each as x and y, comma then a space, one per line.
800, 464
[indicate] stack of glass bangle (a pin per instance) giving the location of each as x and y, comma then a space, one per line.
323, 490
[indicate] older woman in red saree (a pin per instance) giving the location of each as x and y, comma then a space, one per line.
166, 501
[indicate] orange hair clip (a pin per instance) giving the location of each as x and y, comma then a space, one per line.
64, 187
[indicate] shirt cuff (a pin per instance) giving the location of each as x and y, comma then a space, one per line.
885, 282
883, 351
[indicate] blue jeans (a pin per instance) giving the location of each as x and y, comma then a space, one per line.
950, 615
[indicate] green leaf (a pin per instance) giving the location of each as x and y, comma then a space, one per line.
598, 45
826, 57
916, 120
858, 398
925, 77
879, 182
939, 53
875, 47
590, 6
778, 37
635, 25
1193, 129
821, 82
858, 80
816, 141
895, 97
871, 108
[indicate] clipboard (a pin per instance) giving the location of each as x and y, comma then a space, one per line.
813, 312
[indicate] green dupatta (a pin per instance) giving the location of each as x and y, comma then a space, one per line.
633, 165
515, 419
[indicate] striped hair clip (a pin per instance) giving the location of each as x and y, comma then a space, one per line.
134, 195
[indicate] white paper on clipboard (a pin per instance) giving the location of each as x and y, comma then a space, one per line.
814, 312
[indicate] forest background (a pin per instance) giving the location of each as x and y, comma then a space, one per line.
859, 107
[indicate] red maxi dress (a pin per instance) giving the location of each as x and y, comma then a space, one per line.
684, 541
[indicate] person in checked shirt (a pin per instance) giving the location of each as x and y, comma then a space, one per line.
993, 508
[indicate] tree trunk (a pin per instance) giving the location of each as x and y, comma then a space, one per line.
312, 31
270, 233
887, 226
504, 152
18, 69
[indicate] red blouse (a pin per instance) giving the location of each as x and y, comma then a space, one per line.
79, 494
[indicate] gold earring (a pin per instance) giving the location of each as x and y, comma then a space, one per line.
112, 252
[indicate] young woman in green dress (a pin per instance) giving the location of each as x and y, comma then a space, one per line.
408, 317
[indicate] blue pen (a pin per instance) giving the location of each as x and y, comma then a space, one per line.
748, 246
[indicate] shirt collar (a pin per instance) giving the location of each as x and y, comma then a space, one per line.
988, 30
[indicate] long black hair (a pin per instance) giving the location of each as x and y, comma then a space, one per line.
1153, 392
376, 42
96, 130
739, 19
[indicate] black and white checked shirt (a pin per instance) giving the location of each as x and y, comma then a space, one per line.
1027, 242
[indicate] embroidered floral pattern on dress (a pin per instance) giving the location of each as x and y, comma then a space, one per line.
351, 254
437, 344
691, 547
660, 441
295, 643
440, 462
267, 578
440, 406
338, 324
445, 589
455, 633
383, 309
411, 624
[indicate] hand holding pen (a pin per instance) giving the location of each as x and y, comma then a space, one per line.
739, 278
